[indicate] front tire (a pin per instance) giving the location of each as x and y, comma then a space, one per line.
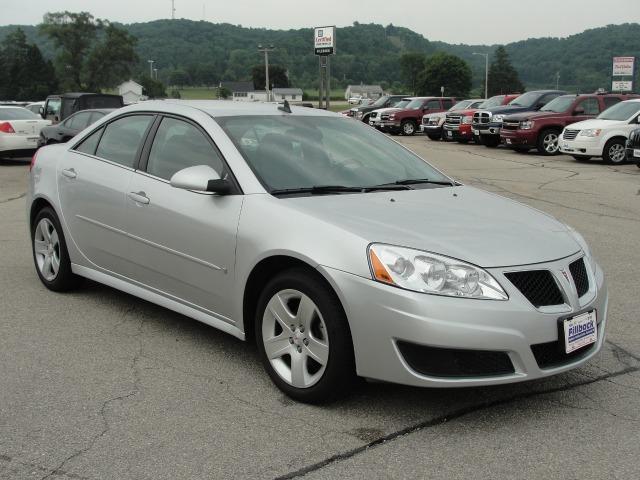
614, 151
408, 128
50, 254
303, 338
548, 142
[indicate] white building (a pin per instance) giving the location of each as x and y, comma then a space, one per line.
277, 95
366, 91
131, 92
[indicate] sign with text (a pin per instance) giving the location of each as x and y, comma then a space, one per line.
623, 66
622, 86
324, 40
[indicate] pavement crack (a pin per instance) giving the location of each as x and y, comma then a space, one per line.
11, 199
440, 420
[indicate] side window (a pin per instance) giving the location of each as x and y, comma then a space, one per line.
122, 139
78, 121
610, 101
433, 105
547, 98
447, 103
95, 117
53, 106
90, 143
590, 106
178, 145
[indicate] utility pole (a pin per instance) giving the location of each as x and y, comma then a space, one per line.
173, 9
151, 62
266, 50
486, 73
557, 80
155, 72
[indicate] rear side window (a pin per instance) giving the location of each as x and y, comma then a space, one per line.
447, 103
90, 143
179, 145
433, 105
590, 106
609, 101
122, 139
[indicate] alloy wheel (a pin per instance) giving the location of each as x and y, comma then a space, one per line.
408, 128
550, 143
295, 338
46, 245
617, 153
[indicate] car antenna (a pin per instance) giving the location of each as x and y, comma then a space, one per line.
285, 107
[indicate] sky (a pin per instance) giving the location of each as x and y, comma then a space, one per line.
452, 21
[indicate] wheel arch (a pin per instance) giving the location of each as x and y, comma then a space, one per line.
38, 204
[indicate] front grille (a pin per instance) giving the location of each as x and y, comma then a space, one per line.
384, 116
510, 125
481, 118
538, 286
580, 277
425, 120
570, 134
634, 139
373, 115
453, 119
449, 362
552, 354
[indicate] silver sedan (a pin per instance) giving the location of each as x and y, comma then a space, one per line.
337, 250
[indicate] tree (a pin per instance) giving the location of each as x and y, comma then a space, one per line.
111, 61
503, 78
278, 77
153, 88
24, 75
448, 71
224, 92
178, 78
411, 64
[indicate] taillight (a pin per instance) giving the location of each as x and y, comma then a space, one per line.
33, 160
5, 127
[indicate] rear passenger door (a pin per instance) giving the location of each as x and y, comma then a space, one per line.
182, 243
92, 181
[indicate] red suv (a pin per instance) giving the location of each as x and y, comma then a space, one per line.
541, 129
406, 120
457, 125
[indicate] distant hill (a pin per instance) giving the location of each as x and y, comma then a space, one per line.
367, 53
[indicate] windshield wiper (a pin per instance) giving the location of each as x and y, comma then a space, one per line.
416, 181
320, 189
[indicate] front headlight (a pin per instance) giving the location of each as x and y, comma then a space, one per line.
590, 132
427, 272
467, 119
526, 125
359, 115
497, 118
392, 116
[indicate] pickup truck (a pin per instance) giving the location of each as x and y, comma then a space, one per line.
382, 114
406, 120
487, 122
457, 125
541, 130
432, 123
362, 112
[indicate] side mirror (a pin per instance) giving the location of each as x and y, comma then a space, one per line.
578, 111
200, 178
41, 111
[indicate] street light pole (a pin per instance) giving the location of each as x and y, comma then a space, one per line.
155, 73
151, 62
486, 73
266, 51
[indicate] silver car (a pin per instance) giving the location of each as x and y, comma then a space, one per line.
336, 249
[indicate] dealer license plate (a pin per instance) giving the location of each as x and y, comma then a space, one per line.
476, 132
636, 152
580, 331
508, 141
449, 134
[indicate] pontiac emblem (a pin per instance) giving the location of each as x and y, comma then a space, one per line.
566, 276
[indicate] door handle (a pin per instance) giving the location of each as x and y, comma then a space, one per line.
69, 173
139, 197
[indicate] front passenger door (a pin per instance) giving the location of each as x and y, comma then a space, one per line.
182, 243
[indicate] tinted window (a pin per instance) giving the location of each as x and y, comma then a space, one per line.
90, 143
101, 102
446, 103
609, 101
179, 145
78, 121
621, 112
433, 105
122, 139
12, 113
590, 106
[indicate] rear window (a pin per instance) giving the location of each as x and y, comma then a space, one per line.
17, 114
101, 102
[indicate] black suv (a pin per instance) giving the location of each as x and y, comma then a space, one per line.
362, 112
488, 123
59, 107
633, 147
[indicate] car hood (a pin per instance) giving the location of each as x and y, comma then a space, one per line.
468, 112
438, 114
461, 222
386, 110
519, 117
506, 109
595, 123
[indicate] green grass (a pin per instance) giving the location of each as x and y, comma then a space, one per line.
197, 93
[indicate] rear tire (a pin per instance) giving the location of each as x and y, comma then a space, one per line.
50, 254
490, 141
548, 142
312, 362
615, 151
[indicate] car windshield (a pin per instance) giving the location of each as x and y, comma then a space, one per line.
294, 152
380, 102
622, 111
560, 104
402, 104
17, 114
461, 105
492, 102
526, 99
415, 104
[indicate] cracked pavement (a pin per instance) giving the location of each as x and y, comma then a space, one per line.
97, 384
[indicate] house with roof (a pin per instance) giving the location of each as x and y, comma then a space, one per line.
277, 95
366, 91
239, 90
131, 92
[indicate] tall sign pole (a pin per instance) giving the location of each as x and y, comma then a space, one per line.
324, 45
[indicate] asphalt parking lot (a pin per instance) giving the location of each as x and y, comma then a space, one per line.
97, 384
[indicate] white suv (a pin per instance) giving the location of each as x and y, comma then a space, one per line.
604, 136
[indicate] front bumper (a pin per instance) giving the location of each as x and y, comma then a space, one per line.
458, 132
431, 129
486, 128
381, 316
588, 146
527, 138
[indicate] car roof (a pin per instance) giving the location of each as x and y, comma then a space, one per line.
103, 110
224, 108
